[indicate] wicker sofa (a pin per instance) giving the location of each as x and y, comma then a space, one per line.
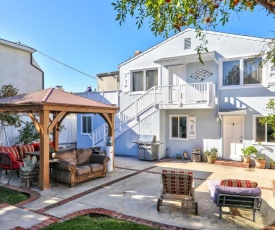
77, 165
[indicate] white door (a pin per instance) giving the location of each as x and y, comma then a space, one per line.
233, 137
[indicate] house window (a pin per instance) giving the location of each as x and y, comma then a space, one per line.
187, 43
264, 133
86, 124
242, 72
178, 127
144, 80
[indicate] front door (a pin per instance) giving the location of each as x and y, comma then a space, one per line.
233, 137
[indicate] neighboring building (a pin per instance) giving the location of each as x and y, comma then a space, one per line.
166, 91
91, 128
18, 67
108, 81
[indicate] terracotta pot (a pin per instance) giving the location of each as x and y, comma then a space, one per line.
246, 159
260, 164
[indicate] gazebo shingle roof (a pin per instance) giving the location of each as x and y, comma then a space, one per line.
51, 96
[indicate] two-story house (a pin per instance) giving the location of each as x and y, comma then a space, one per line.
18, 67
166, 91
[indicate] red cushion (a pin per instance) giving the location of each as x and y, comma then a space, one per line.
25, 149
12, 150
239, 183
15, 164
36, 146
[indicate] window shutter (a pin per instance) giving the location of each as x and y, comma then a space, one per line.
126, 82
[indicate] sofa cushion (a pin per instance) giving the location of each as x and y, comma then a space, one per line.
12, 150
83, 156
96, 167
82, 170
220, 189
25, 149
239, 183
66, 155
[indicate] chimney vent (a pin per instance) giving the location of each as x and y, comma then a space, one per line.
137, 53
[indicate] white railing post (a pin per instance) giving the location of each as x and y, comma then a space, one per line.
208, 93
92, 139
180, 94
155, 99
136, 108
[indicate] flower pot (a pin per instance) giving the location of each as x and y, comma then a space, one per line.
246, 159
210, 160
272, 166
260, 164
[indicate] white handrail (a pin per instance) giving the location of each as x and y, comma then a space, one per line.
99, 134
181, 94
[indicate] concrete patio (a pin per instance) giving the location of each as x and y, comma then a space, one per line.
132, 189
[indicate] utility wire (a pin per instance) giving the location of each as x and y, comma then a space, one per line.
66, 65
20, 43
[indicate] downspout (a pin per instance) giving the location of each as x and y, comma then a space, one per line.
31, 62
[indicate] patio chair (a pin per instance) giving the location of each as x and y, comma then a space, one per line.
8, 162
177, 186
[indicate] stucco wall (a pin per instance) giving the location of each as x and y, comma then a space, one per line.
16, 69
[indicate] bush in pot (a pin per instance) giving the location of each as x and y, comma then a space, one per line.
211, 155
248, 152
259, 161
272, 164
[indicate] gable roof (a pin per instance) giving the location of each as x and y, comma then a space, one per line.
191, 30
17, 45
54, 97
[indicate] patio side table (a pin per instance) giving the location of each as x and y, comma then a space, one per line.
196, 157
53, 166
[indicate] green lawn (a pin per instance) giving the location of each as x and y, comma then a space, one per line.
97, 222
11, 196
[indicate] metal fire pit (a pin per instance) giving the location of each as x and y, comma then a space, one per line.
148, 147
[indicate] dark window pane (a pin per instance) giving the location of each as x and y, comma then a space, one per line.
231, 72
151, 78
86, 124
175, 127
260, 131
182, 127
270, 134
138, 81
252, 71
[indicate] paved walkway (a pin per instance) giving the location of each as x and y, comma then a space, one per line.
130, 192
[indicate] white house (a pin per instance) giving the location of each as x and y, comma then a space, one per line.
166, 91
18, 67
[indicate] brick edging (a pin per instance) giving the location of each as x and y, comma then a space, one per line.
111, 214
33, 194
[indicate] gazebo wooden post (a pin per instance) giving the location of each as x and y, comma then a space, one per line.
111, 133
55, 134
44, 179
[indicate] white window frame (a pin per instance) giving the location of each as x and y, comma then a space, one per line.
241, 85
170, 127
86, 115
144, 78
254, 117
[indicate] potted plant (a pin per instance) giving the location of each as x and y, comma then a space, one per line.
272, 164
28, 172
260, 161
247, 152
211, 155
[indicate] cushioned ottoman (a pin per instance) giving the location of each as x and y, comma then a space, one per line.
238, 197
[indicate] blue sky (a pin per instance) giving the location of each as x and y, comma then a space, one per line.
85, 35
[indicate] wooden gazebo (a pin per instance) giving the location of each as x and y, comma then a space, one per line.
51, 106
